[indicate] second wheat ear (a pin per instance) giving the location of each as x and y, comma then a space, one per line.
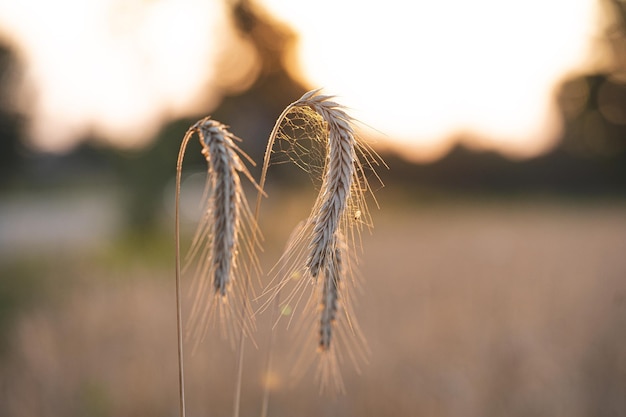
321, 251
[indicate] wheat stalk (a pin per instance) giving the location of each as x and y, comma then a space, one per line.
319, 252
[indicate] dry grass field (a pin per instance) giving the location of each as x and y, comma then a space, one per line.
470, 307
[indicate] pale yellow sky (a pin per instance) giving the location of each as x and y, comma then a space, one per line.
425, 72
420, 73
119, 68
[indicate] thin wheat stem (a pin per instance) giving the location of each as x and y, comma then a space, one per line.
179, 315
266, 158
269, 359
238, 383
275, 310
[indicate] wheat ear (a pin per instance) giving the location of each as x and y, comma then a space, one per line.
223, 247
336, 185
317, 251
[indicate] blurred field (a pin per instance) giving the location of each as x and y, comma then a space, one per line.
470, 307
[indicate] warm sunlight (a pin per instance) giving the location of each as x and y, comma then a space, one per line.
421, 74
424, 72
116, 68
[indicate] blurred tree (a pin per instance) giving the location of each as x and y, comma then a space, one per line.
615, 36
594, 105
252, 113
594, 108
11, 122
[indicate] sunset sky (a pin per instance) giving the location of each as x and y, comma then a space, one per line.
418, 74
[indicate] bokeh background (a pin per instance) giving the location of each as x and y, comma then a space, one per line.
493, 282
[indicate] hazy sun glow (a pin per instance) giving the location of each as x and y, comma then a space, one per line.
422, 73
116, 68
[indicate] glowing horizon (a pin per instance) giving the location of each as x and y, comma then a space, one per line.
421, 75
117, 68
425, 74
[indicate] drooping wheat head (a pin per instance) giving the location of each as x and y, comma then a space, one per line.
222, 251
320, 252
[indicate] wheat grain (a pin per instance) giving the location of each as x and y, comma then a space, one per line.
335, 191
330, 299
329, 310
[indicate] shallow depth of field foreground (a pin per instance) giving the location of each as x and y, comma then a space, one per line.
471, 307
